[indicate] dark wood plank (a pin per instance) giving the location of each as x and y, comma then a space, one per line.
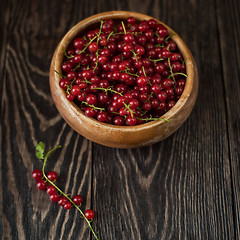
229, 35
179, 188
28, 116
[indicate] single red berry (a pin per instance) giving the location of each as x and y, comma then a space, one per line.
71, 75
78, 200
64, 83
103, 97
89, 214
52, 176
156, 88
102, 116
133, 103
66, 66
162, 31
154, 103
93, 47
37, 174
152, 23
128, 38
118, 120
131, 20
70, 97
54, 197
181, 82
162, 96
143, 26
81, 96
91, 99
51, 189
176, 67
170, 104
77, 58
178, 90
131, 121
142, 81
76, 90
175, 57
128, 47
171, 45
67, 205
41, 184
147, 106
167, 83
79, 43
90, 112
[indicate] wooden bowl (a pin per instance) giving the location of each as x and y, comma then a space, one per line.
123, 136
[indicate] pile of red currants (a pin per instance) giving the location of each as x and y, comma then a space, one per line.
124, 72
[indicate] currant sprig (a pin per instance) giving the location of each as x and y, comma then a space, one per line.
42, 179
93, 106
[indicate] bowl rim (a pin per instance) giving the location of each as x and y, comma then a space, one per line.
87, 22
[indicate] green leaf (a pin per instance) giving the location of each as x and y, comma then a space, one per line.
40, 150
40, 147
39, 155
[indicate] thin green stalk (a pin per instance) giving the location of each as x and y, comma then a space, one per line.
108, 89
155, 60
90, 105
62, 76
88, 44
124, 29
170, 67
167, 38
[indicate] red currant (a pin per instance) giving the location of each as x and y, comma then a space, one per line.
67, 205
78, 200
51, 189
89, 214
37, 174
54, 197
52, 176
41, 184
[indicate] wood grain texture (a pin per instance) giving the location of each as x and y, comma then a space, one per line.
230, 54
172, 189
28, 116
185, 187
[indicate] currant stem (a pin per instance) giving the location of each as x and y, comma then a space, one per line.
178, 73
110, 34
133, 74
77, 67
88, 44
124, 29
135, 55
170, 67
108, 89
69, 87
130, 110
100, 30
61, 192
167, 38
62, 76
155, 60
153, 119
65, 54
94, 107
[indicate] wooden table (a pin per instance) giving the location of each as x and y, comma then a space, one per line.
185, 187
